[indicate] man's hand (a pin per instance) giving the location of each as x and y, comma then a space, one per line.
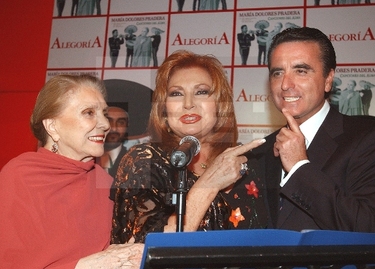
290, 143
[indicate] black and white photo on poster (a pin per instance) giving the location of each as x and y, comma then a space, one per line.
268, 3
74, 8
353, 89
353, 38
122, 7
80, 47
197, 32
136, 41
202, 5
133, 87
255, 30
138, 99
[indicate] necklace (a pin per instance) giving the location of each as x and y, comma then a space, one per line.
203, 165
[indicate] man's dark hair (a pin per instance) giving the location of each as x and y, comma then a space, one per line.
306, 34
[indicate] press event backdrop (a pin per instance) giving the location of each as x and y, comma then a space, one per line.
82, 35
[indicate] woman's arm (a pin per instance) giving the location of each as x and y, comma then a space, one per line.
223, 172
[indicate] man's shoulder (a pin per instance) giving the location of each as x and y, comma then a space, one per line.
354, 125
361, 122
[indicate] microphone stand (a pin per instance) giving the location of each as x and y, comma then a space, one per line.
181, 158
181, 199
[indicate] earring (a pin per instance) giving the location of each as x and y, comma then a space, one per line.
166, 123
55, 147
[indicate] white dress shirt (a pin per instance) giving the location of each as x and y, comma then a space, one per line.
309, 129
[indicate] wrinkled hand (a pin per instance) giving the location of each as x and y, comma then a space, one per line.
225, 169
120, 256
290, 143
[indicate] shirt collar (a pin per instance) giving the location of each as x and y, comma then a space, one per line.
114, 153
311, 126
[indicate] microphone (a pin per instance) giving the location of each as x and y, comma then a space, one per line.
188, 148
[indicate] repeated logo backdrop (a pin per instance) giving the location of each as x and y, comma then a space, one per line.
124, 41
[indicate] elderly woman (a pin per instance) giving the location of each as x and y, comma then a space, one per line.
55, 211
192, 98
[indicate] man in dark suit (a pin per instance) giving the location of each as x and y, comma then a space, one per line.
114, 148
114, 142
114, 46
244, 41
319, 168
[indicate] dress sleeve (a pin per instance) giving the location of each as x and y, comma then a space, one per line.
143, 179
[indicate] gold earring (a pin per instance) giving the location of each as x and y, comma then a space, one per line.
166, 123
55, 147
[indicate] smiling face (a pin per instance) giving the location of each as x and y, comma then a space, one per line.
81, 127
296, 79
191, 110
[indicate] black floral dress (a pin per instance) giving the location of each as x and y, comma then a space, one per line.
146, 179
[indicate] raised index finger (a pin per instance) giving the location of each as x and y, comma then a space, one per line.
239, 150
292, 123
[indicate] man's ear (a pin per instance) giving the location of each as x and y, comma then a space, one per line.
50, 126
329, 81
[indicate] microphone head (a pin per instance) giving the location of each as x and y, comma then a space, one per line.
182, 156
196, 143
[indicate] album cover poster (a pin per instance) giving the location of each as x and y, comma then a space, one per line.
255, 30
352, 90
95, 72
72, 8
268, 3
132, 90
211, 33
80, 47
136, 41
353, 37
336, 2
201, 5
255, 112
138, 6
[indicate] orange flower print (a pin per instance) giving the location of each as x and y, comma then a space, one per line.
236, 217
252, 189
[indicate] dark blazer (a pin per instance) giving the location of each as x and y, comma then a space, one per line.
113, 170
336, 190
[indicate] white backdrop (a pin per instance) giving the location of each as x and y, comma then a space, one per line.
79, 44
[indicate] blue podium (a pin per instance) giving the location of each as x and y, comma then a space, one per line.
259, 249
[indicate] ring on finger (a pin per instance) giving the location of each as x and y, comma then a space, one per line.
243, 169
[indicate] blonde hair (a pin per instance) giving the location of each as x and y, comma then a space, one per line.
53, 96
225, 132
